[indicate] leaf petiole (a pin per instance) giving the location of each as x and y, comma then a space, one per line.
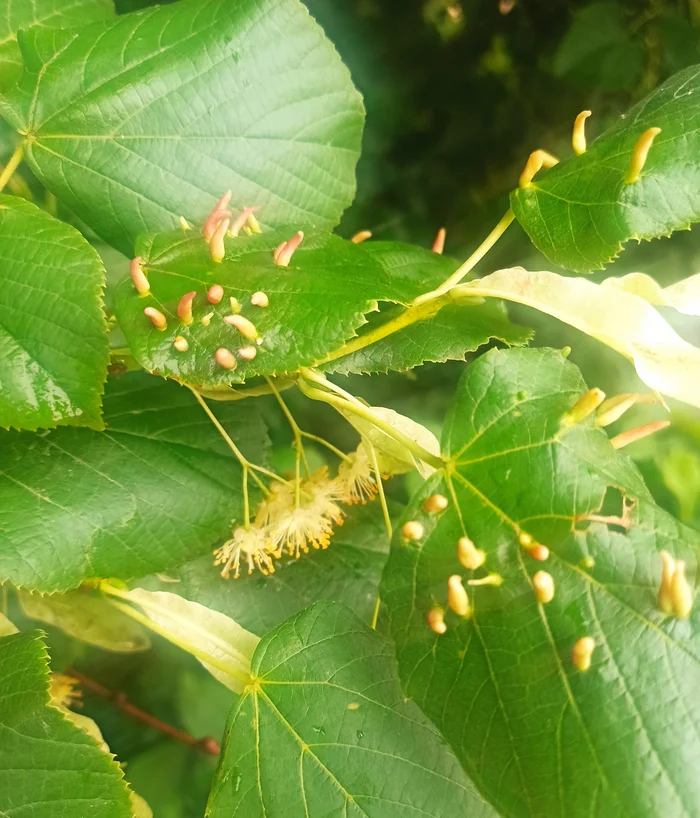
11, 166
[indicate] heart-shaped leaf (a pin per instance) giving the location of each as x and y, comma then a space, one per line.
53, 342
48, 766
49, 14
540, 736
155, 489
581, 212
324, 730
135, 122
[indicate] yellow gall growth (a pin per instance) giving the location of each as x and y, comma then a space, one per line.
578, 137
181, 344
584, 406
640, 154
139, 277
259, 299
435, 504
157, 318
457, 597
543, 583
412, 530
436, 620
582, 653
363, 235
469, 555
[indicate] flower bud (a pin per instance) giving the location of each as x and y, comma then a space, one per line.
435, 503
582, 653
457, 597
412, 530
543, 583
470, 556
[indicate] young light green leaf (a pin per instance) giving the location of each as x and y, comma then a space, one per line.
392, 457
49, 14
683, 296
87, 617
581, 212
348, 571
135, 122
157, 488
48, 766
53, 342
539, 736
622, 320
223, 647
324, 729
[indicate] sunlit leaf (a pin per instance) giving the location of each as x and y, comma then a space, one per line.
622, 320
538, 736
683, 296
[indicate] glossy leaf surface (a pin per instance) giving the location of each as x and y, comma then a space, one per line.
538, 736
581, 212
157, 488
48, 766
53, 343
135, 122
324, 730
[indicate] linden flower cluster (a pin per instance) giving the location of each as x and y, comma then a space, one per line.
297, 515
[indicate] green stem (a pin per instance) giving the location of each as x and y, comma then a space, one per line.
11, 166
359, 409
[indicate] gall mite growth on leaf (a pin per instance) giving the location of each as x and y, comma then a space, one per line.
457, 597
439, 243
490, 579
181, 344
536, 161
578, 137
242, 220
157, 317
184, 308
436, 620
215, 293
584, 406
543, 583
247, 353
435, 504
412, 530
470, 556
217, 246
582, 653
219, 212
235, 305
184, 224
640, 154
225, 358
205, 320
638, 433
139, 277
363, 235
259, 299
283, 254
243, 325
675, 593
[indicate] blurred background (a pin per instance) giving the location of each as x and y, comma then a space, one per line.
458, 93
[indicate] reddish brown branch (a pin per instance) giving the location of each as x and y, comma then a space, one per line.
206, 745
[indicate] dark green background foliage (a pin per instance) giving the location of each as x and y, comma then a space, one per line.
457, 94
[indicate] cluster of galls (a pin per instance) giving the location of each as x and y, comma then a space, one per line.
297, 515
217, 227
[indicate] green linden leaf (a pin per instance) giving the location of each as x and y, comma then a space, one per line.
134, 122
315, 304
348, 571
448, 336
49, 14
155, 489
324, 730
581, 212
48, 766
53, 342
538, 736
